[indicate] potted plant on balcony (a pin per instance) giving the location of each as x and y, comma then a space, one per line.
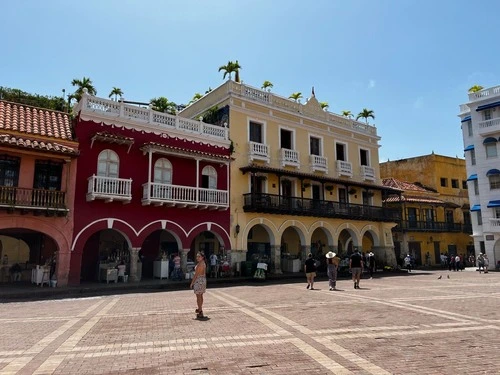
352, 191
329, 187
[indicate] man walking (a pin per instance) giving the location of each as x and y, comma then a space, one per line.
356, 267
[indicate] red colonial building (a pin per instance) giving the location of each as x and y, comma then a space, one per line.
37, 176
149, 186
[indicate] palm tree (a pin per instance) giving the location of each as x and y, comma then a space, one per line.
162, 104
475, 88
347, 114
196, 97
267, 85
228, 69
84, 83
296, 96
365, 113
324, 105
116, 91
237, 67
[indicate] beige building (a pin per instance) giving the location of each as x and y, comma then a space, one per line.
302, 179
434, 204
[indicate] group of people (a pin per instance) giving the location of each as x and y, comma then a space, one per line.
357, 263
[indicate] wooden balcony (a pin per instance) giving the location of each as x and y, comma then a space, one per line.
184, 196
35, 200
276, 204
432, 226
109, 189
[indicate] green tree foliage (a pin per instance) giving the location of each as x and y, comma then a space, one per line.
296, 96
162, 104
18, 96
324, 105
347, 114
84, 83
230, 68
116, 92
366, 114
475, 88
267, 85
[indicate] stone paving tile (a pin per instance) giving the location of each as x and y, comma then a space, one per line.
395, 325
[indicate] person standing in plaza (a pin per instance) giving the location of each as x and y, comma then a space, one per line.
356, 267
199, 283
371, 263
408, 262
332, 264
480, 262
486, 263
310, 270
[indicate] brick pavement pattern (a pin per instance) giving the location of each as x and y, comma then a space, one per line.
407, 324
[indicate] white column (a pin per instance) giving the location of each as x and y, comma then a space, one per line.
197, 180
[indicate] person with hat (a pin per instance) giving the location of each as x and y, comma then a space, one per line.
371, 263
332, 264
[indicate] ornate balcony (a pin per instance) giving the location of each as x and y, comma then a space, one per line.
289, 158
36, 200
276, 204
367, 173
489, 126
259, 151
344, 168
318, 163
184, 196
109, 189
495, 225
483, 94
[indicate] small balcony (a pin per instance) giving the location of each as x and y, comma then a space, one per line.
109, 189
318, 163
259, 151
489, 126
289, 158
184, 196
367, 173
495, 225
35, 200
276, 204
344, 168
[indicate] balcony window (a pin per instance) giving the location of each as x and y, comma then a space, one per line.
340, 151
469, 128
47, 175
491, 150
108, 164
163, 171
315, 146
255, 132
479, 218
286, 138
364, 157
476, 187
454, 183
9, 170
473, 157
487, 114
494, 181
209, 177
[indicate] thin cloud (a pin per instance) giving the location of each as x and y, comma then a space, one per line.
371, 83
418, 103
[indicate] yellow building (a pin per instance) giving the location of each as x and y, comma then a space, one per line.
302, 179
434, 206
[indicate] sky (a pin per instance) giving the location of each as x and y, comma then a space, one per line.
410, 61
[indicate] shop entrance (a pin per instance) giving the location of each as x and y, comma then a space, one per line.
21, 251
159, 246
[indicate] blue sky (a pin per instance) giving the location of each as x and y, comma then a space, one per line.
410, 61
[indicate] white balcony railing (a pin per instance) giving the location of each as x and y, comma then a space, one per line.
318, 163
344, 168
109, 189
489, 126
492, 91
367, 173
184, 196
495, 224
259, 151
149, 118
289, 157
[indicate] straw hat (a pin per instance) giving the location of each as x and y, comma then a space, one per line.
330, 254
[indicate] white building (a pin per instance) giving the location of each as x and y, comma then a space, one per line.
480, 119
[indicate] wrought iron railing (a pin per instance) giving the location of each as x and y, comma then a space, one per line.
277, 204
432, 226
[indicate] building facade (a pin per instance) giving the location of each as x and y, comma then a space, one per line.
150, 186
435, 217
480, 120
37, 176
302, 179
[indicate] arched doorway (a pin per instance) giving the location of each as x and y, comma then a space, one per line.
103, 250
345, 244
160, 244
28, 249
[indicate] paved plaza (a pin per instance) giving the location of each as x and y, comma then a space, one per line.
406, 324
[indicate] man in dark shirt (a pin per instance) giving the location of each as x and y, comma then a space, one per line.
356, 267
310, 270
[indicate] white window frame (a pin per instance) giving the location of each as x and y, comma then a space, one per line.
109, 158
211, 172
165, 170
476, 187
294, 138
368, 155
473, 157
346, 150
264, 127
494, 181
320, 139
469, 128
487, 114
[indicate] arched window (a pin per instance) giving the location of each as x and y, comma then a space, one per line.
163, 171
209, 177
108, 164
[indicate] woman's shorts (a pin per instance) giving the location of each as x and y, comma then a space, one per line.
310, 274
